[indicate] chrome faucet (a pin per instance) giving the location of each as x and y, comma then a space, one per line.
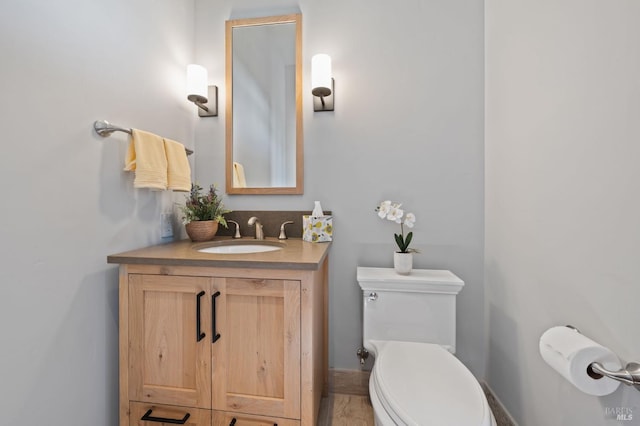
259, 233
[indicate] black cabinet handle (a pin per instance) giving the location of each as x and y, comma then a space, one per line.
147, 417
199, 334
233, 422
216, 335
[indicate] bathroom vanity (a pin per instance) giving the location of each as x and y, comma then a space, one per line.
222, 339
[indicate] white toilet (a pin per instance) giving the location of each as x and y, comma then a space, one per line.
409, 326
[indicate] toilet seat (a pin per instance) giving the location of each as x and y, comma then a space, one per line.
422, 384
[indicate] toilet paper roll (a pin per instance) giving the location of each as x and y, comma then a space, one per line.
570, 353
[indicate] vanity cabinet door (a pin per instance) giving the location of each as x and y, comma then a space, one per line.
256, 361
169, 340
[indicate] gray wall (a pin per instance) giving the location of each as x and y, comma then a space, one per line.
67, 202
408, 126
562, 185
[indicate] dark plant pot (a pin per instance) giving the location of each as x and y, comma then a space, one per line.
202, 230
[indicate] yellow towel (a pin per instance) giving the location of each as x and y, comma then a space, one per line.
146, 156
239, 180
178, 170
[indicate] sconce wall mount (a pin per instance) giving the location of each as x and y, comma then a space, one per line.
323, 97
206, 108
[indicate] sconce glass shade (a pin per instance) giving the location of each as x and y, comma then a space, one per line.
321, 75
197, 83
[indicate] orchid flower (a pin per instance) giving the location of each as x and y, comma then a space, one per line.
392, 211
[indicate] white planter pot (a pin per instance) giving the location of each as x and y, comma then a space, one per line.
403, 263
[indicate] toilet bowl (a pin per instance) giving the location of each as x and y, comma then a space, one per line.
409, 328
422, 384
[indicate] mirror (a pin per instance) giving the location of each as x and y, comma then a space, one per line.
264, 147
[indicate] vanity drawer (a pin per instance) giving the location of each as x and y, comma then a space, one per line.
144, 414
224, 418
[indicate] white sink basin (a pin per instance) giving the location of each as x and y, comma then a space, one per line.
240, 247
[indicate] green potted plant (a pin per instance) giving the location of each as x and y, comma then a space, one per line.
203, 212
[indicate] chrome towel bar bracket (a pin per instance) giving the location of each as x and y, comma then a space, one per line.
104, 129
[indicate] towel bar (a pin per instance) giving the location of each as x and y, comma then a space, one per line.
104, 129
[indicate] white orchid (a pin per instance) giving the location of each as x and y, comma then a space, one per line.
392, 211
395, 214
384, 208
410, 220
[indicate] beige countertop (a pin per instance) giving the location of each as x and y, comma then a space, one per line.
296, 254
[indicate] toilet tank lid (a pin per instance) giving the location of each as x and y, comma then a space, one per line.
418, 281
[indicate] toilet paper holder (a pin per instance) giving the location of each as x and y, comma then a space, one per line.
630, 375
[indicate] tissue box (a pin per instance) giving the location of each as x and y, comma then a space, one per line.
317, 229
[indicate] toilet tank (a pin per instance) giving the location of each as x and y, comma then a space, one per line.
419, 307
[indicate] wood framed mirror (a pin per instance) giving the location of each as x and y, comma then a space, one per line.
264, 138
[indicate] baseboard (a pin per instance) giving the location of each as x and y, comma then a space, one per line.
351, 382
503, 417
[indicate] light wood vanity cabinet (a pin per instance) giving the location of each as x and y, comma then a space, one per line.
207, 345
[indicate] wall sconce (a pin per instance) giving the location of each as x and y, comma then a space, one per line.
322, 84
200, 93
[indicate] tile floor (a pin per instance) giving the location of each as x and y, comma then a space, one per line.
345, 410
